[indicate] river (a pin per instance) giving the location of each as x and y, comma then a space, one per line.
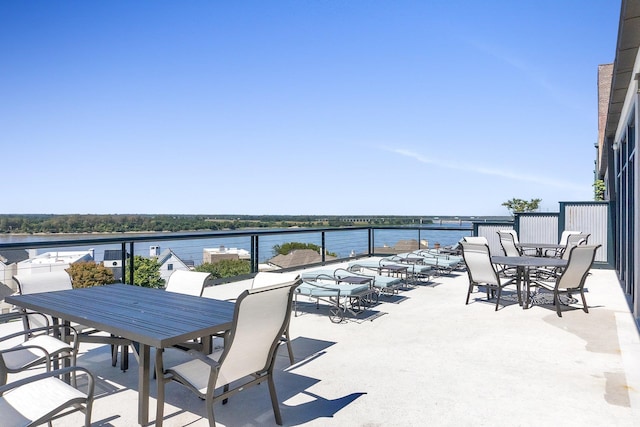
342, 243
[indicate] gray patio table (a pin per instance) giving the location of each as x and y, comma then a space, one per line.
150, 317
524, 264
539, 247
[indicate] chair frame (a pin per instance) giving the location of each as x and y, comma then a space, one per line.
66, 407
67, 349
89, 335
576, 279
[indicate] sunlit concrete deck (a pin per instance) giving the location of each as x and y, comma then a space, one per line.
423, 357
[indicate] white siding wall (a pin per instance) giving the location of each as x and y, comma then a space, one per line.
591, 219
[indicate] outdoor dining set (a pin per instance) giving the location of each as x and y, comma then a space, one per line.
560, 269
252, 328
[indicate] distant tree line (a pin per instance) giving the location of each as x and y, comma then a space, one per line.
31, 224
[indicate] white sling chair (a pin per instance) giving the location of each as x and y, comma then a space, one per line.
187, 282
481, 271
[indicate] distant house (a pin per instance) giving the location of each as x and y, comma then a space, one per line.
213, 255
53, 261
298, 258
170, 262
113, 261
9, 259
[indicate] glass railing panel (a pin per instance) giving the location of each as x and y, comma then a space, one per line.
347, 243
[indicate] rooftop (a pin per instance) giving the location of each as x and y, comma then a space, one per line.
423, 357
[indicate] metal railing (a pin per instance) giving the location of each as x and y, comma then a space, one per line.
336, 243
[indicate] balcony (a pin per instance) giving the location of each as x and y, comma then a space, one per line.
422, 357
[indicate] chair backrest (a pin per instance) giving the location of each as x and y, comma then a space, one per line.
187, 282
565, 235
578, 265
260, 318
508, 243
477, 258
43, 282
513, 233
574, 240
264, 278
475, 239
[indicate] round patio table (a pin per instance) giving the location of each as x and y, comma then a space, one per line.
523, 264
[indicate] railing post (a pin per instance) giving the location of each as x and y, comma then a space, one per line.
123, 260
255, 255
324, 250
131, 267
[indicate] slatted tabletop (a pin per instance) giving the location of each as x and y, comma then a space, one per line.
150, 316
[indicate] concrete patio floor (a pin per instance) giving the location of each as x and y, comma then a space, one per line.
420, 358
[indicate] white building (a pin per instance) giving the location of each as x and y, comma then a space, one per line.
212, 255
169, 262
53, 261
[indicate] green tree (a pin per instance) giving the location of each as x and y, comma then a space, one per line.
518, 205
286, 248
87, 274
146, 272
598, 190
225, 268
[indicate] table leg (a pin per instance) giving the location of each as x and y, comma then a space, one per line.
527, 286
207, 344
143, 384
521, 285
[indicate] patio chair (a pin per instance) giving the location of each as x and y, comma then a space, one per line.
260, 318
482, 272
263, 279
39, 346
508, 241
556, 253
59, 281
573, 276
44, 397
187, 282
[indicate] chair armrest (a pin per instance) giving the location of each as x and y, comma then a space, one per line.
29, 332
204, 358
55, 373
30, 347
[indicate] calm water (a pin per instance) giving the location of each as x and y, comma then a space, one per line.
341, 243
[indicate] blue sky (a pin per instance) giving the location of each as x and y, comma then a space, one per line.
299, 107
